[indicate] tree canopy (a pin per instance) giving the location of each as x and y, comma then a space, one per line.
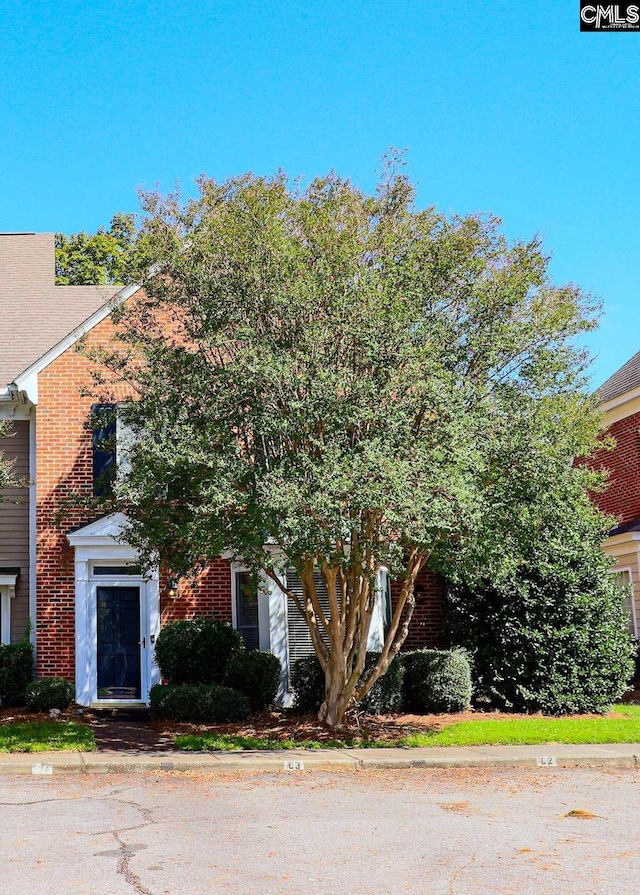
108, 257
333, 381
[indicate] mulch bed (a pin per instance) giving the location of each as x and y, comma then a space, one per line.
285, 725
21, 715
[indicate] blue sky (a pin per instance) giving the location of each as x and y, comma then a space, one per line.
504, 108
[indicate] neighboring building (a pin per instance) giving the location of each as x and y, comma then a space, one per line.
619, 400
94, 618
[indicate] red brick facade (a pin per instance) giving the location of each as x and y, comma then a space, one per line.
425, 629
65, 466
621, 499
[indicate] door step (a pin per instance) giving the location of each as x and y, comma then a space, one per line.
121, 712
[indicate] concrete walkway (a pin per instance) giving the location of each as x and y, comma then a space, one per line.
107, 761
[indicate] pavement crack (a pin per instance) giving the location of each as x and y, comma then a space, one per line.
124, 869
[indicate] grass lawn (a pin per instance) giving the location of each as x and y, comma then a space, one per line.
229, 742
622, 725
45, 736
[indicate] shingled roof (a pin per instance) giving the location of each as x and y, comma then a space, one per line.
35, 314
623, 380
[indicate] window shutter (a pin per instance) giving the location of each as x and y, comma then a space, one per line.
299, 638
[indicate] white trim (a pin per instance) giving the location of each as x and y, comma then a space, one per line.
33, 536
272, 625
106, 531
7, 591
27, 381
98, 543
11, 409
625, 537
606, 406
617, 570
264, 638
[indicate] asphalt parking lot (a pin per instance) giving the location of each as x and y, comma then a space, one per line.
438, 832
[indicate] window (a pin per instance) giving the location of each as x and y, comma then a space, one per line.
111, 440
117, 571
8, 578
622, 578
103, 419
246, 599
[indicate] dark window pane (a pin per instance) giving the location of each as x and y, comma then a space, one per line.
104, 448
247, 610
116, 570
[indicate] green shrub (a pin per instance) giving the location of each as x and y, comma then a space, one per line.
197, 703
47, 693
552, 638
387, 694
307, 682
16, 671
257, 675
436, 681
196, 651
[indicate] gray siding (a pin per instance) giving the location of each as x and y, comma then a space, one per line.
14, 525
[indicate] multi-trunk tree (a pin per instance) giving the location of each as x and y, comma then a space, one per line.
330, 381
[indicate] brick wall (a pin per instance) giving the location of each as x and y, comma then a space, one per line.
64, 466
426, 623
622, 496
210, 595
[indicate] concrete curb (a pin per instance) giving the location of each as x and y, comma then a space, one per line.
291, 761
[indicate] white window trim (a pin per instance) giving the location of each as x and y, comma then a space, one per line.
7, 592
264, 639
634, 618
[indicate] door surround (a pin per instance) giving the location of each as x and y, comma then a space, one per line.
99, 543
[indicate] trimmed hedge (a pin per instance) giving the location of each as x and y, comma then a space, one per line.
48, 693
257, 675
16, 671
436, 681
197, 651
307, 682
197, 703
386, 695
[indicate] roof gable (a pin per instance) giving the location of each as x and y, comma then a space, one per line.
624, 380
36, 314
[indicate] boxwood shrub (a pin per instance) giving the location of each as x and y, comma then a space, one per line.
16, 671
47, 693
197, 651
436, 681
386, 695
197, 703
257, 675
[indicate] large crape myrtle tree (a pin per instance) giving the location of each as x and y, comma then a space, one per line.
328, 381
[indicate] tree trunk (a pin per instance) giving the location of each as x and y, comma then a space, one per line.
336, 699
